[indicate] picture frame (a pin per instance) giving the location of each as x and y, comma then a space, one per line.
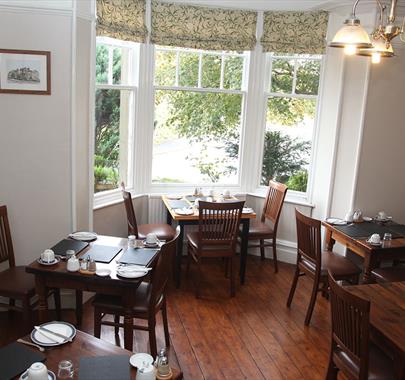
25, 72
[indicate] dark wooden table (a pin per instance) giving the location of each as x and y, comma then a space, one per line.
372, 255
387, 316
57, 276
192, 219
87, 345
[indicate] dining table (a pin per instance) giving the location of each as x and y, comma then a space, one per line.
387, 318
57, 276
173, 204
85, 345
354, 236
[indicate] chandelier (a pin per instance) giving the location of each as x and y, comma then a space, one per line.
355, 40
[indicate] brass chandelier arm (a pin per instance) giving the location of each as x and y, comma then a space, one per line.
391, 16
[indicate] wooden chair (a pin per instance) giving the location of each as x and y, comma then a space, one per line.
390, 274
163, 231
262, 231
216, 237
150, 298
351, 351
15, 283
314, 262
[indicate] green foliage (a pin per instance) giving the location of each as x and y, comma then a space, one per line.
282, 157
299, 181
308, 74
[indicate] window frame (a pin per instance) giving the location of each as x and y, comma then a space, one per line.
177, 187
299, 196
110, 196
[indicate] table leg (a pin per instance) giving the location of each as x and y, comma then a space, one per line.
369, 265
42, 292
179, 254
169, 218
79, 307
244, 249
128, 320
329, 241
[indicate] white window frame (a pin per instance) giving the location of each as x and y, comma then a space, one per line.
292, 194
111, 196
177, 187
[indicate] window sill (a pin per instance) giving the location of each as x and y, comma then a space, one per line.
293, 198
111, 198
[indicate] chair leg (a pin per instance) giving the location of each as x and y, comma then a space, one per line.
152, 336
27, 316
79, 307
188, 262
332, 370
293, 286
165, 324
97, 322
116, 321
11, 302
312, 302
275, 261
198, 279
262, 249
232, 276
56, 298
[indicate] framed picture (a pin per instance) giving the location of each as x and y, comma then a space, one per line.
25, 72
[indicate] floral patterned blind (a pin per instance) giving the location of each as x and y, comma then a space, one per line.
122, 19
295, 32
202, 28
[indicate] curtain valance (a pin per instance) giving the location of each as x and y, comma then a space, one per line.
295, 32
122, 19
202, 28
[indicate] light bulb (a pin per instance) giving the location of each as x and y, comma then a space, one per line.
350, 49
376, 58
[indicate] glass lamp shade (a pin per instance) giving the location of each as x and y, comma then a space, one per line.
351, 34
379, 47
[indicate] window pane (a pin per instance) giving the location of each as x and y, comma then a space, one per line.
165, 68
308, 73
188, 69
233, 73
282, 73
288, 140
116, 66
101, 64
196, 137
211, 71
111, 136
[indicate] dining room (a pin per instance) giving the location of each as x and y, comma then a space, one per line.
202, 189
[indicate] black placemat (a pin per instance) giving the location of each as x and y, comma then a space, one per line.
397, 228
15, 358
102, 253
178, 203
139, 256
65, 244
104, 368
364, 230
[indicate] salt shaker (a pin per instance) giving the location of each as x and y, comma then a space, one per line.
131, 241
92, 266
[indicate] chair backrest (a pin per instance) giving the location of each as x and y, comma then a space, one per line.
350, 325
274, 202
162, 269
6, 245
131, 218
308, 239
219, 224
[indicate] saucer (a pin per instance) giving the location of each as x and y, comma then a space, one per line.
103, 272
55, 261
184, 211
374, 244
137, 360
150, 245
128, 273
51, 375
387, 219
84, 236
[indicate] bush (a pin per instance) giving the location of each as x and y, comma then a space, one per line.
299, 181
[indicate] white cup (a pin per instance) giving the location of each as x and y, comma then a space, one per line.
375, 239
227, 193
38, 371
382, 215
349, 216
151, 238
146, 372
48, 256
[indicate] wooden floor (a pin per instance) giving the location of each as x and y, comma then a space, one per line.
251, 336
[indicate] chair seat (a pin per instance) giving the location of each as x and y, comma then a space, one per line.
259, 230
380, 366
113, 304
15, 282
192, 238
389, 274
340, 266
162, 230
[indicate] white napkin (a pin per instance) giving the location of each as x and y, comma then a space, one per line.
58, 328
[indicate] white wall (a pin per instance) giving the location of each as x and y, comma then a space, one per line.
35, 164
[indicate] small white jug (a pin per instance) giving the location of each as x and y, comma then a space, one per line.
73, 264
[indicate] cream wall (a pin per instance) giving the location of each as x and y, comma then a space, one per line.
381, 177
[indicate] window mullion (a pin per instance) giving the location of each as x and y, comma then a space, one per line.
294, 84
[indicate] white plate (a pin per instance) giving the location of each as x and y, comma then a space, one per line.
174, 197
137, 360
63, 328
131, 273
51, 375
387, 219
103, 272
247, 210
336, 221
184, 211
148, 245
367, 219
55, 261
84, 236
